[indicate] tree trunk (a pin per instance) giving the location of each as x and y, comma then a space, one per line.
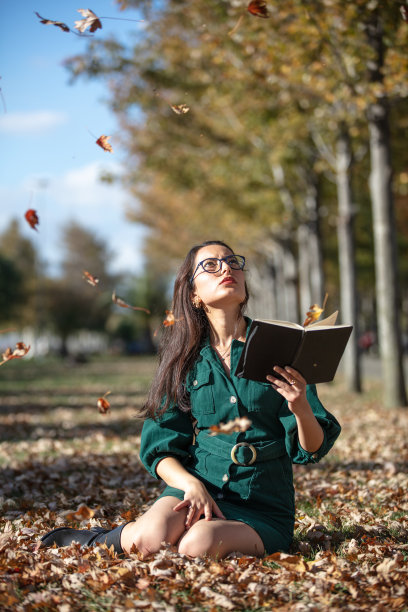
346, 241
310, 257
384, 233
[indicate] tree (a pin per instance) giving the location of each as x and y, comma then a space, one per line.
308, 70
21, 276
73, 304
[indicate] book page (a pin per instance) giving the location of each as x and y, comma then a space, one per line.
328, 321
282, 323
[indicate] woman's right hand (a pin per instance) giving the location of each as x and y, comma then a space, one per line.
198, 501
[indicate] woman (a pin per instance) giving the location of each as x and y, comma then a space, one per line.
223, 493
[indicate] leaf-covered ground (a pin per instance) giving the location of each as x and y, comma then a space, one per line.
58, 453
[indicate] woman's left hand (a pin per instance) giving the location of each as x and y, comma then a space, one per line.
292, 388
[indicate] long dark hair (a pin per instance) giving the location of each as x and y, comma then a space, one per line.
180, 343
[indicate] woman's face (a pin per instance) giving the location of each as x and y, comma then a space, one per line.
218, 289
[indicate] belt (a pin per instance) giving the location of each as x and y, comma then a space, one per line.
247, 453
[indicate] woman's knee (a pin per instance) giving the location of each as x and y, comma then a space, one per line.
160, 524
201, 539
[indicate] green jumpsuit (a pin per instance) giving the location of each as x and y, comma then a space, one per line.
256, 488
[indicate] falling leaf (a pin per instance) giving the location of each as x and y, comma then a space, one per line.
59, 24
92, 280
314, 313
117, 300
180, 109
20, 351
169, 320
103, 404
258, 8
236, 425
91, 21
81, 514
32, 218
103, 142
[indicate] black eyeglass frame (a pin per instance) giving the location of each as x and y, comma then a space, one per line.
220, 260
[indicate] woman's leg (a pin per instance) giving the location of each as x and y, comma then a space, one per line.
217, 538
159, 524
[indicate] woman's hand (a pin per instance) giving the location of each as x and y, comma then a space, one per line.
292, 388
198, 501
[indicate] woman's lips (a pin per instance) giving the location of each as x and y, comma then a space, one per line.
228, 280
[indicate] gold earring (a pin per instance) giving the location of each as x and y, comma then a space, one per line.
197, 303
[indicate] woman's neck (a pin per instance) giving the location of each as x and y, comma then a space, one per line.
224, 327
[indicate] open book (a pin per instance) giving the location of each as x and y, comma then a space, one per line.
315, 351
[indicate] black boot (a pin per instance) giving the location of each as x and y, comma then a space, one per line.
64, 536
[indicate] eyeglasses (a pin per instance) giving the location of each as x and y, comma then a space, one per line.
214, 264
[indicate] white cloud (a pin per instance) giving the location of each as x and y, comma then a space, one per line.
77, 195
31, 122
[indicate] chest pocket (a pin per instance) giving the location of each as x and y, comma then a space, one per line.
200, 387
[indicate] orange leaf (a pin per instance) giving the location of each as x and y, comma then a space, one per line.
91, 21
103, 142
32, 218
117, 300
20, 351
81, 514
314, 313
258, 8
92, 280
103, 404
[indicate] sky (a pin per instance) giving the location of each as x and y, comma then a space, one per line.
49, 159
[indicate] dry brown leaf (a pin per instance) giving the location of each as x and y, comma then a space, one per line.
20, 351
117, 300
59, 24
104, 144
82, 513
103, 404
32, 218
314, 313
258, 8
92, 280
180, 109
90, 21
235, 425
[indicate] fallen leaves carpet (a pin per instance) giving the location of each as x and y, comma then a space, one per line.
64, 463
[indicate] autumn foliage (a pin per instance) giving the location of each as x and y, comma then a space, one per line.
350, 550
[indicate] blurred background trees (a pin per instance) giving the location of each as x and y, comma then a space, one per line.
292, 149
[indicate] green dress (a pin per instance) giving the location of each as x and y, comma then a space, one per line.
256, 490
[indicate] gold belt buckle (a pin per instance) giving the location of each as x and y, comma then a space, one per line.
234, 450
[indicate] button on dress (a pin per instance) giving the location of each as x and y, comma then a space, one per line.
258, 492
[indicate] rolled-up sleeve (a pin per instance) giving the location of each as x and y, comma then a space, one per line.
329, 424
170, 435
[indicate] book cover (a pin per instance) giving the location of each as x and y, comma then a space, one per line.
315, 351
